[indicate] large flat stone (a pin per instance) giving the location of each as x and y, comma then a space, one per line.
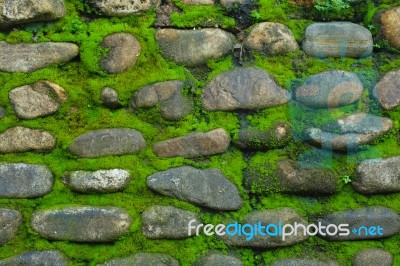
19, 180
218, 259
82, 223
107, 142
36, 258
141, 259
26, 57
123, 8
373, 256
22, 139
10, 221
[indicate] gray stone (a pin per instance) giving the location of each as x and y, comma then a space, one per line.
337, 39
101, 181
169, 95
107, 142
124, 51
10, 221
284, 215
306, 181
303, 262
37, 258
123, 8
194, 47
378, 176
271, 39
14, 12
218, 259
110, 98
194, 145
140, 259
243, 88
330, 89
26, 57
167, 222
350, 132
198, 2
274, 137
208, 188
19, 180
82, 223
361, 219
387, 90
36, 100
389, 26
372, 257
2, 112
22, 139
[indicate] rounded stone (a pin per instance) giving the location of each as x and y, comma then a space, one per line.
387, 90
142, 258
390, 30
37, 258
10, 221
110, 98
123, 8
373, 256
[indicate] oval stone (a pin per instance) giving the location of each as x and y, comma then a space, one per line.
10, 221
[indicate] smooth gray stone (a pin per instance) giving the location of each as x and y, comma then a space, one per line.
10, 221
36, 258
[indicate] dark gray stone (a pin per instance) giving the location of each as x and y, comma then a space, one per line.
194, 47
37, 258
22, 139
82, 223
387, 90
141, 259
167, 222
218, 259
123, 8
19, 180
26, 57
243, 88
194, 145
110, 98
372, 257
107, 142
330, 89
350, 132
337, 39
208, 188
36, 100
101, 181
14, 12
10, 221
284, 215
303, 262
169, 95
376, 216
2, 112
378, 176
124, 51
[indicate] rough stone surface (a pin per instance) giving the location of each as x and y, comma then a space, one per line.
337, 39
10, 221
26, 57
387, 90
378, 176
36, 258
194, 145
389, 26
367, 217
110, 98
141, 259
13, 12
107, 142
271, 39
308, 181
284, 215
2, 112
82, 223
101, 181
124, 51
218, 259
350, 132
373, 256
22, 139
208, 188
255, 139
198, 2
303, 262
194, 47
123, 8
167, 222
169, 95
243, 88
330, 89
39, 99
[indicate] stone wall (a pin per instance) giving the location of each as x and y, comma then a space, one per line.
121, 122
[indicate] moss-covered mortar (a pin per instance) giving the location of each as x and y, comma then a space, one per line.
83, 81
